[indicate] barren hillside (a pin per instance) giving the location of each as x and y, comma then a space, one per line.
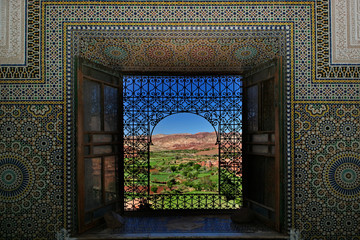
198, 141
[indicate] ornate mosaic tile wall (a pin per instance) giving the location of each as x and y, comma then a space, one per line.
326, 169
36, 125
171, 51
31, 170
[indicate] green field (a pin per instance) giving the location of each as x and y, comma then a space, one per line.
183, 179
180, 171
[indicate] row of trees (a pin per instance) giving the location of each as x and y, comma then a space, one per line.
203, 185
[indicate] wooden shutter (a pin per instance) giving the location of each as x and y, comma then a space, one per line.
99, 142
262, 140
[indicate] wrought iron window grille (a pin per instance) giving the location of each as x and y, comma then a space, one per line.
149, 99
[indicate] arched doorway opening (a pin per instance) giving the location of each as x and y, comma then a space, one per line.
184, 156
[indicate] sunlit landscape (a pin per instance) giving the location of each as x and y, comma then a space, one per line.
184, 163
182, 143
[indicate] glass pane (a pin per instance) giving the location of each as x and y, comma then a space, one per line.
111, 106
88, 217
260, 138
92, 181
102, 149
116, 148
272, 149
86, 150
273, 137
110, 178
260, 149
86, 138
268, 107
252, 108
92, 106
102, 138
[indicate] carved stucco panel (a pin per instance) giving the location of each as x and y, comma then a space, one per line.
12, 28
354, 26
345, 32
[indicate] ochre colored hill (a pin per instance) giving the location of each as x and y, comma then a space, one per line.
184, 141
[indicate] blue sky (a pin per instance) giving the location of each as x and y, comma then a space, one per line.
181, 86
183, 123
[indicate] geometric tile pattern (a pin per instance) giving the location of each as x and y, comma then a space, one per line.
324, 69
36, 111
301, 16
326, 178
160, 51
31, 171
179, 54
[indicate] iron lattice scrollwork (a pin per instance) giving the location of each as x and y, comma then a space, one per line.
149, 99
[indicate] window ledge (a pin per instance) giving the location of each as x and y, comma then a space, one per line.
183, 227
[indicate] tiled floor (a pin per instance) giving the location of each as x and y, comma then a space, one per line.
182, 227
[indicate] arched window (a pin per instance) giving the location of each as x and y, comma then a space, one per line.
116, 145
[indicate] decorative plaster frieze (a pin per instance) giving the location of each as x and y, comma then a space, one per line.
12, 28
3, 23
345, 31
354, 26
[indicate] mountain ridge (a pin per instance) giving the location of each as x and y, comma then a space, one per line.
184, 141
